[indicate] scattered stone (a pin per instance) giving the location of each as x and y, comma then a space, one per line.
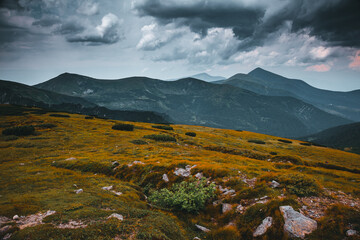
107, 188
72, 224
297, 224
274, 184
16, 217
70, 159
165, 177
117, 216
135, 162
5, 229
7, 236
240, 208
22, 164
199, 175
117, 193
250, 182
196, 238
184, 172
33, 220
115, 163
78, 191
204, 229
226, 207
351, 232
217, 202
263, 227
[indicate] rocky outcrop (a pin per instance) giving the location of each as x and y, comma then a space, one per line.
204, 229
165, 177
117, 216
78, 191
184, 172
226, 207
297, 224
263, 227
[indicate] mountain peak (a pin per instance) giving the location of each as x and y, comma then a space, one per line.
258, 70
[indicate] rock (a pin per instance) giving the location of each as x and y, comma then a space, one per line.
199, 175
117, 216
226, 207
263, 227
33, 220
165, 177
297, 224
115, 163
4, 220
204, 229
16, 217
72, 225
351, 232
196, 238
5, 229
217, 202
78, 191
250, 182
107, 188
274, 184
135, 162
7, 236
117, 193
182, 172
70, 159
240, 208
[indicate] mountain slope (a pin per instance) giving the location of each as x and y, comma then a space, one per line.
345, 104
191, 101
341, 137
20, 94
208, 78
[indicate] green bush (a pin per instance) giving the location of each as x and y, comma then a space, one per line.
305, 144
185, 196
161, 138
123, 127
256, 141
89, 117
300, 185
191, 134
284, 141
162, 127
59, 115
293, 159
139, 142
19, 131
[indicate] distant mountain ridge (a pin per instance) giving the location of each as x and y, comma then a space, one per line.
196, 102
345, 104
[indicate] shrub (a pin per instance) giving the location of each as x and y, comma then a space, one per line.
19, 131
123, 127
139, 142
162, 127
273, 153
46, 125
59, 115
89, 117
300, 185
293, 159
306, 144
191, 134
161, 138
284, 141
185, 196
256, 141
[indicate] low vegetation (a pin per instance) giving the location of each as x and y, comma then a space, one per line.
161, 137
191, 134
59, 115
256, 141
19, 131
163, 127
123, 127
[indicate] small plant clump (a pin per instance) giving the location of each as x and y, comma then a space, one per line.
185, 196
19, 131
161, 137
300, 185
163, 127
59, 115
139, 142
256, 141
46, 125
89, 117
191, 134
123, 127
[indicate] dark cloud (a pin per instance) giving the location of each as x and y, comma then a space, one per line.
334, 21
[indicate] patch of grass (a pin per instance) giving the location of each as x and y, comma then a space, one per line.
45, 125
284, 141
19, 131
256, 141
160, 137
285, 159
89, 117
139, 142
123, 127
305, 144
241, 152
162, 127
191, 134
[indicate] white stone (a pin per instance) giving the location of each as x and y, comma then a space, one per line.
226, 207
263, 227
117, 216
135, 162
204, 229
351, 232
16, 217
117, 193
79, 191
182, 172
199, 175
165, 177
107, 188
240, 208
70, 159
274, 184
297, 224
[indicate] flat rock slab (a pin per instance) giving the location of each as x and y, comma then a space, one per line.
263, 227
297, 224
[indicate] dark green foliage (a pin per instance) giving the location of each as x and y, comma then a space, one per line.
185, 196
284, 141
19, 131
300, 185
273, 153
46, 125
139, 142
161, 137
285, 159
163, 127
89, 117
59, 115
191, 134
305, 143
241, 152
9, 138
123, 127
256, 141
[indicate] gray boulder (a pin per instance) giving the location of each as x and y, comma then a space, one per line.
263, 227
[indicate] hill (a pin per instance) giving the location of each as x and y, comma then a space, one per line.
191, 101
20, 94
78, 178
345, 104
341, 137
208, 78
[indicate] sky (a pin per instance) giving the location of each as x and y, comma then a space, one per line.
316, 41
